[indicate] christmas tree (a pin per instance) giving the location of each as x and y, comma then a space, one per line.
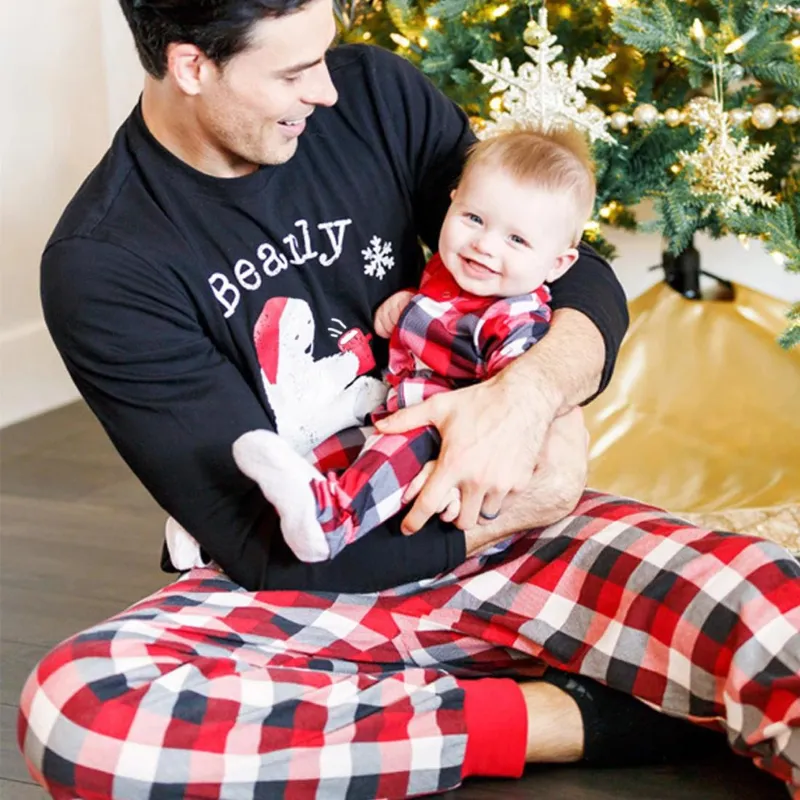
690, 103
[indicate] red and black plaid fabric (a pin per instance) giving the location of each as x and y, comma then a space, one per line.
444, 339
370, 492
204, 690
451, 336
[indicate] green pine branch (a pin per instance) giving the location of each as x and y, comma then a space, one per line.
659, 60
791, 336
649, 29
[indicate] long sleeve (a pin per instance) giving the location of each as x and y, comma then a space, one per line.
172, 404
591, 287
508, 329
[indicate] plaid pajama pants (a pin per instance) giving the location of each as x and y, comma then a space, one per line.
204, 690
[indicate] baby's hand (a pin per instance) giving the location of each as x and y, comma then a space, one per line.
450, 508
388, 313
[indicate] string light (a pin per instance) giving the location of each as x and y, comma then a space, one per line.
496, 103
367, 36
498, 12
699, 32
423, 42
779, 258
432, 22
592, 226
738, 43
795, 42
734, 46
608, 210
399, 39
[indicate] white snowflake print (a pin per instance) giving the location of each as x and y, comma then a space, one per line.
378, 258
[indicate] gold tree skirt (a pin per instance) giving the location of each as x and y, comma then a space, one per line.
703, 414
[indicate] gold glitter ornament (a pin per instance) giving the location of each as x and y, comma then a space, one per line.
545, 93
764, 116
727, 171
702, 112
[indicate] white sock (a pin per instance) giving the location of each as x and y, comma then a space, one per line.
284, 479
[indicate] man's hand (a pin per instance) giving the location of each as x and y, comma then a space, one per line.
491, 437
388, 313
553, 491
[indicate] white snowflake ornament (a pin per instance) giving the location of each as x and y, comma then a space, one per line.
545, 94
378, 258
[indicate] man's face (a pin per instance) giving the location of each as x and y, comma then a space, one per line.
254, 108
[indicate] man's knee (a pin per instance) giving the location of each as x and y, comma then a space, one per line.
66, 701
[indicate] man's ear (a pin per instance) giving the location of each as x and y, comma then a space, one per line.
187, 65
563, 263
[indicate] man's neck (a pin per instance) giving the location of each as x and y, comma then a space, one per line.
173, 123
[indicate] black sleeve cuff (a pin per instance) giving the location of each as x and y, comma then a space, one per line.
383, 559
591, 287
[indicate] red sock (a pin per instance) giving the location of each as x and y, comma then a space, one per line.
497, 728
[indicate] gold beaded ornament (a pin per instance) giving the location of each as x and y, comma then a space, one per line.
762, 116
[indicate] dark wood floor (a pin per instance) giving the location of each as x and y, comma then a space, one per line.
80, 541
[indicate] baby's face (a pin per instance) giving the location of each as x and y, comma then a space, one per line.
502, 237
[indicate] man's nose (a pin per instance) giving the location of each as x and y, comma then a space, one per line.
321, 91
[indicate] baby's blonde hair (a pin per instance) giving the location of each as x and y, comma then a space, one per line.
556, 161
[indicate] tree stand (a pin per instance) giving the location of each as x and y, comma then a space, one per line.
682, 273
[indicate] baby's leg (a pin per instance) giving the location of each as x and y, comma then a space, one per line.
371, 490
320, 515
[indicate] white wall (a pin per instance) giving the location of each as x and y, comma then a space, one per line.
749, 264
65, 75
68, 78
123, 71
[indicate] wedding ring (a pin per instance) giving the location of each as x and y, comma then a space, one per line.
483, 515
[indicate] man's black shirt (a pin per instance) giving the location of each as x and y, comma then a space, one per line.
172, 296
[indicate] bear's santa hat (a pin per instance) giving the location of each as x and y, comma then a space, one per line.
267, 336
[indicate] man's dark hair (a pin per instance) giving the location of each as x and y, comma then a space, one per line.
220, 28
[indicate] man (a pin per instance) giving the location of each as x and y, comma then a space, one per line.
218, 273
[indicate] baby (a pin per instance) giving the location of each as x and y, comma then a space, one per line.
513, 226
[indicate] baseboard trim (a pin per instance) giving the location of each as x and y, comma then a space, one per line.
33, 377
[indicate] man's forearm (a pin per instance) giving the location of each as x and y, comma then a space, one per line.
565, 367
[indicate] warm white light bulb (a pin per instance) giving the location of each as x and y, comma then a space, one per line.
698, 32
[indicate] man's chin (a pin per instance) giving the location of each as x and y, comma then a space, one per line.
279, 154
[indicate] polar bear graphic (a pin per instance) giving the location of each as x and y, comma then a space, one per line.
310, 398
